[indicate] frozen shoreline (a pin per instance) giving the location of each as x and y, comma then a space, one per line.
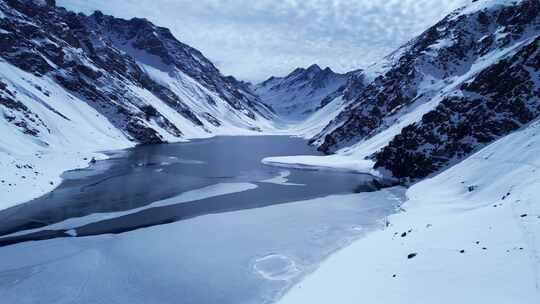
30, 176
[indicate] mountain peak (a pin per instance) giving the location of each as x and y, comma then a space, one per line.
314, 68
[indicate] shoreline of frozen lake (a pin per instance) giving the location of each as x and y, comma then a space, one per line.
269, 226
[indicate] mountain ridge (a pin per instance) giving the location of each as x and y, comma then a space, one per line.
299, 93
105, 60
418, 76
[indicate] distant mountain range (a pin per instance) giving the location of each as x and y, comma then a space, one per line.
300, 93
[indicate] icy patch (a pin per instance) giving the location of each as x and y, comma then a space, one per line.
331, 163
189, 196
276, 267
229, 257
281, 179
72, 232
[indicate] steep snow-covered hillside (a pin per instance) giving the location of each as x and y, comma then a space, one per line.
469, 235
500, 99
468, 80
461, 101
302, 92
71, 82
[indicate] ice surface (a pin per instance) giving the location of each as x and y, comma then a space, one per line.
281, 179
249, 256
189, 196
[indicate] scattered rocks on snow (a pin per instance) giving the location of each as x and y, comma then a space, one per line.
412, 255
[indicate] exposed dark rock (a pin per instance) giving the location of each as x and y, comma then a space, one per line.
499, 99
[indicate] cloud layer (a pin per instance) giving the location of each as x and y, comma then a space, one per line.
255, 39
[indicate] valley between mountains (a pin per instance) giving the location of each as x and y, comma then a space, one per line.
413, 180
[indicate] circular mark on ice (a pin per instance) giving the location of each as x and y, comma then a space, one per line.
71, 232
357, 228
276, 267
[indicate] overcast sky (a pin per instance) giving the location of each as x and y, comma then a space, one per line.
254, 39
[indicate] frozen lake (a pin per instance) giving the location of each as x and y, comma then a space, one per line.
184, 223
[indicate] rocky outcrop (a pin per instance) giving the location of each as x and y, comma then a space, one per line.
499, 100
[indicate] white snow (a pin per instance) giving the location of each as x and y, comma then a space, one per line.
195, 96
31, 166
314, 124
281, 179
486, 206
330, 162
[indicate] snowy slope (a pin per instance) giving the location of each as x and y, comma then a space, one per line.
299, 94
474, 229
66, 134
438, 98
72, 84
451, 51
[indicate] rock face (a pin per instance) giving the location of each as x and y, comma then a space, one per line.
302, 92
500, 99
468, 80
139, 76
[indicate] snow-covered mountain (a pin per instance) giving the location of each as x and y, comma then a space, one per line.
302, 92
138, 76
471, 78
71, 82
